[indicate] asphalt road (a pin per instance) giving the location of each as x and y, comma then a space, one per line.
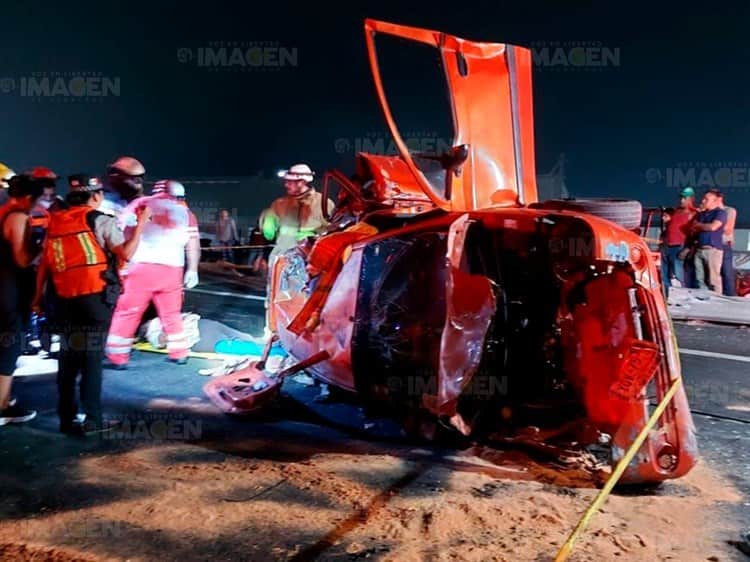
718, 391
717, 381
718, 388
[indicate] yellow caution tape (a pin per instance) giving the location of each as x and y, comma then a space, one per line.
142, 346
566, 548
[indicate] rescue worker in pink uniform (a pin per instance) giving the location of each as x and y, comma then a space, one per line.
158, 272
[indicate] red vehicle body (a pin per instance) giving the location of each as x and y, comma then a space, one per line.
445, 288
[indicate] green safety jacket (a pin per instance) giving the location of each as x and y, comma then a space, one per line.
289, 219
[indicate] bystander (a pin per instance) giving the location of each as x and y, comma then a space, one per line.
676, 230
728, 279
226, 235
259, 250
709, 229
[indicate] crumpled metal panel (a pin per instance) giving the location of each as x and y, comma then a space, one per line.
243, 392
287, 288
334, 333
391, 175
596, 345
490, 93
470, 305
671, 449
598, 350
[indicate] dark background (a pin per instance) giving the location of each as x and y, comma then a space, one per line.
676, 100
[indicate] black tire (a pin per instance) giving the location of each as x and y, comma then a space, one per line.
625, 212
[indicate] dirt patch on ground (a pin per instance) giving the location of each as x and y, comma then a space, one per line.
183, 502
15, 551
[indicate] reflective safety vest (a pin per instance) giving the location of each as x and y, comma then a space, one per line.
39, 218
75, 259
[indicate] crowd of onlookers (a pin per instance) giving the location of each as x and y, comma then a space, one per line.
697, 243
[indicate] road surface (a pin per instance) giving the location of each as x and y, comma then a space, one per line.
183, 482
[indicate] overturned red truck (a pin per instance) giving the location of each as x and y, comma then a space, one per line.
445, 289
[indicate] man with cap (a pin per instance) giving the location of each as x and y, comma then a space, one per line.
296, 215
123, 183
52, 202
676, 231
158, 272
79, 256
76, 181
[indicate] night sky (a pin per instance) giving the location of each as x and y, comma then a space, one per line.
674, 104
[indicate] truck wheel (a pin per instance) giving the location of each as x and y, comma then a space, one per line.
625, 212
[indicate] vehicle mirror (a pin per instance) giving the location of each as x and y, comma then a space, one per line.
455, 157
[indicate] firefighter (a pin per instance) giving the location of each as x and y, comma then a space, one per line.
295, 216
292, 218
47, 203
158, 272
79, 256
16, 256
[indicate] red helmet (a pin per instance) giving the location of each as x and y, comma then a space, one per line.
42, 173
43, 176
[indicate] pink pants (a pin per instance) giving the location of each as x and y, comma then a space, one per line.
146, 282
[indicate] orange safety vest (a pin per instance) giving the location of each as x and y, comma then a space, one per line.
40, 221
75, 258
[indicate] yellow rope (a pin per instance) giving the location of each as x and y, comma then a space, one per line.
567, 548
147, 347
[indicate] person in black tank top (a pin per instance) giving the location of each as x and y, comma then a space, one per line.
16, 256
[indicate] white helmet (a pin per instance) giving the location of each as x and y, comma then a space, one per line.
298, 172
172, 187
